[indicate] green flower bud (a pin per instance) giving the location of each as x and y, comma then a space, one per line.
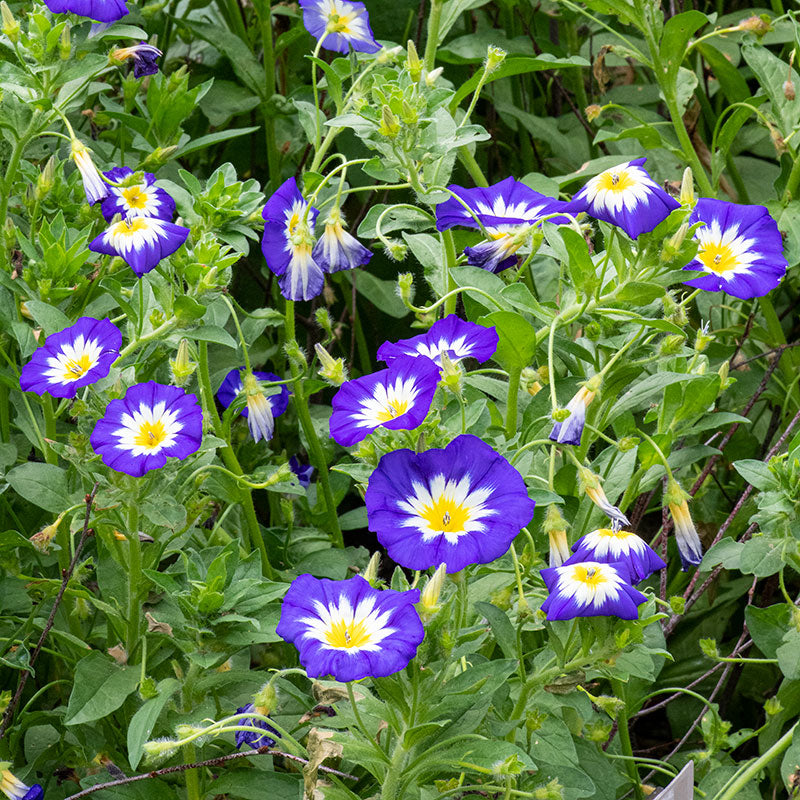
10, 25
773, 706
671, 345
405, 287
495, 56
413, 62
627, 443
709, 648
65, 44
389, 126
598, 730
181, 367
331, 369
370, 574
677, 603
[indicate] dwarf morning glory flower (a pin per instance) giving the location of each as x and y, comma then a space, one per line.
14, 789
257, 738
608, 545
507, 210
690, 547
261, 408
136, 199
348, 630
336, 249
302, 471
595, 492
625, 196
144, 58
590, 589
451, 335
740, 247
95, 187
571, 429
397, 397
72, 358
141, 241
288, 243
457, 506
150, 423
343, 24
100, 10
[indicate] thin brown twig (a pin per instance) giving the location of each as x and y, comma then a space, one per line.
23, 678
211, 762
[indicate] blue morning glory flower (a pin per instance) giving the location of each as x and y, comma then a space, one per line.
261, 408
143, 199
336, 249
303, 472
144, 58
343, 24
571, 429
99, 10
257, 738
608, 545
14, 789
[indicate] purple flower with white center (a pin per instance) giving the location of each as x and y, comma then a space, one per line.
14, 789
457, 506
257, 738
144, 58
343, 25
150, 423
690, 548
609, 546
288, 243
451, 335
72, 358
740, 247
303, 472
141, 241
130, 200
507, 211
590, 589
348, 630
625, 196
99, 10
336, 249
94, 186
571, 429
397, 397
261, 408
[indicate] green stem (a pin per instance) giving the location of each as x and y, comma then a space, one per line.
472, 166
390, 789
192, 775
449, 245
317, 454
253, 534
13, 164
134, 576
273, 157
792, 182
432, 42
512, 400
49, 429
618, 689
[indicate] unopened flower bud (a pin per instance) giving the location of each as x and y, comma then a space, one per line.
413, 63
555, 526
788, 90
159, 157
387, 56
773, 706
627, 443
598, 730
396, 249
65, 44
673, 244
265, 700
495, 56
10, 24
452, 375
593, 112
405, 287
46, 179
709, 648
159, 749
757, 25
674, 311
671, 345
181, 367
331, 369
409, 113
389, 126
295, 354
703, 338
429, 599
686, 196
432, 76
325, 322
370, 574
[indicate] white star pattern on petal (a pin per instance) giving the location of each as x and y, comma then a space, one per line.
149, 430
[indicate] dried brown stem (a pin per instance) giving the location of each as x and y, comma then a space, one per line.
23, 679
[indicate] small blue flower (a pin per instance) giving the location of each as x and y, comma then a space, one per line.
625, 196
94, 186
571, 429
336, 249
15, 789
609, 546
144, 58
99, 10
288, 243
590, 589
302, 471
143, 199
255, 739
740, 247
343, 24
261, 408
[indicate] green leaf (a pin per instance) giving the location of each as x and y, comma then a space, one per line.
640, 293
767, 626
761, 556
51, 319
144, 720
733, 84
215, 334
201, 142
727, 552
501, 626
677, 32
518, 65
100, 688
788, 655
187, 309
258, 784
380, 293
519, 296
44, 485
579, 263
517, 345
756, 473
771, 73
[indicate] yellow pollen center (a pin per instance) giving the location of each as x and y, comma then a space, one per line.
135, 197
129, 227
393, 410
616, 181
588, 575
151, 434
347, 634
717, 257
612, 534
446, 515
76, 368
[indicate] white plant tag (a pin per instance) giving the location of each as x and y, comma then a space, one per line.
681, 787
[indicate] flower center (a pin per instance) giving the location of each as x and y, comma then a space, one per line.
591, 576
718, 257
342, 633
446, 515
616, 181
76, 368
131, 227
135, 197
151, 435
393, 409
